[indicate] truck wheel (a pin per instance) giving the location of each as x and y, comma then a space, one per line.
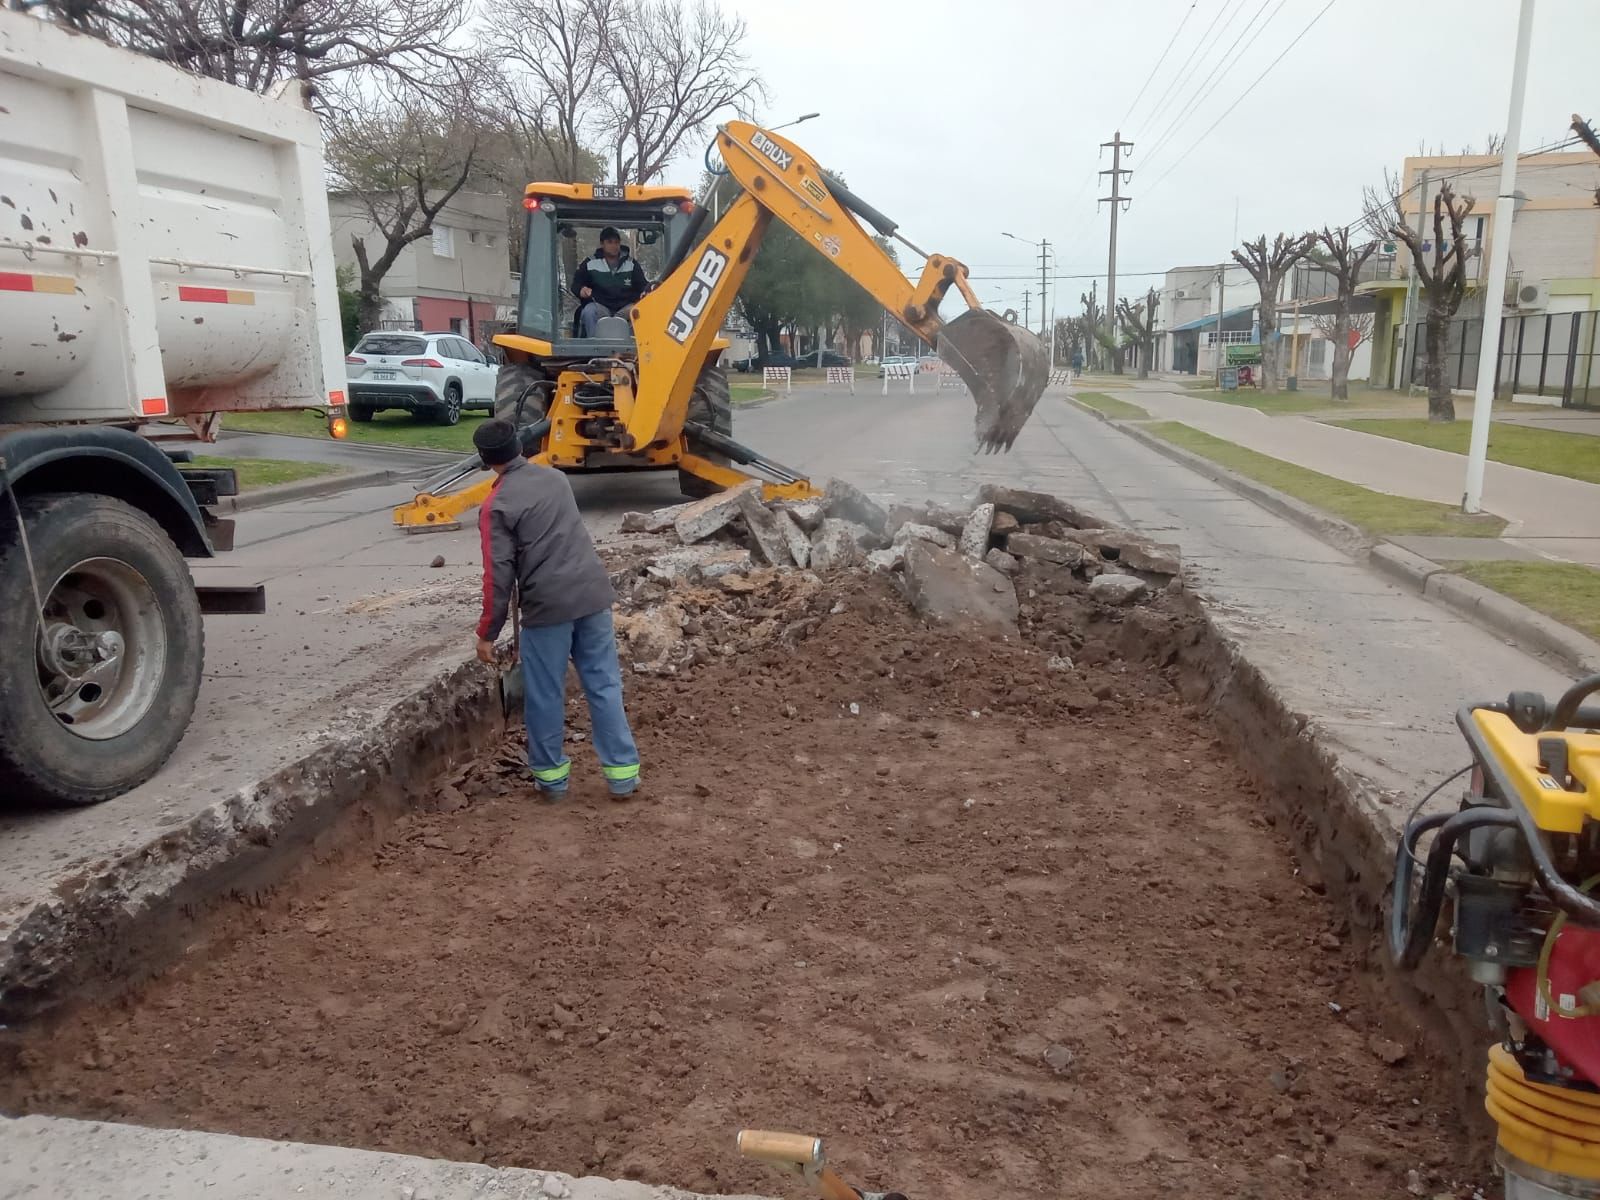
709, 405
511, 385
360, 413
96, 695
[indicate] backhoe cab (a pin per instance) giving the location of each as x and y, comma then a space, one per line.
654, 397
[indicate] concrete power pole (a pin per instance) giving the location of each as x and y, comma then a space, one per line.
1222, 292
1027, 321
1117, 201
1044, 267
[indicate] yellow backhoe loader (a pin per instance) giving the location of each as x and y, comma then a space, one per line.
646, 392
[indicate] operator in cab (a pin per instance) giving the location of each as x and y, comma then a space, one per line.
608, 282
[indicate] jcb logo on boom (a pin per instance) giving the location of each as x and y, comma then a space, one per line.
695, 296
771, 149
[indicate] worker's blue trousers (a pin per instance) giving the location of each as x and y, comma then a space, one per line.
590, 644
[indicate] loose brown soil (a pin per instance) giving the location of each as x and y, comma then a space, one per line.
994, 931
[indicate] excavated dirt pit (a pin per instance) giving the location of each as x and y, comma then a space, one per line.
992, 925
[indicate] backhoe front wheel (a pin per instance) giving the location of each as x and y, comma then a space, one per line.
97, 689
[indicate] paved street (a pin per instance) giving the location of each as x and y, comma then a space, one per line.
358, 618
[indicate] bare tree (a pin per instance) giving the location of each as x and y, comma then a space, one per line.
1441, 266
1139, 322
1093, 320
401, 167
258, 43
558, 63
670, 69
1358, 328
1343, 260
1587, 136
1267, 266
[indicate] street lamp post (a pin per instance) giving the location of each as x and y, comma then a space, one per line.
796, 121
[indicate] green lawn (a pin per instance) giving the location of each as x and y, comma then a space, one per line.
1111, 406
1575, 455
1314, 400
745, 393
1568, 592
266, 472
1376, 512
386, 428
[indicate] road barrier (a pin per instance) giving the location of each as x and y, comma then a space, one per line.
950, 381
906, 371
843, 375
771, 375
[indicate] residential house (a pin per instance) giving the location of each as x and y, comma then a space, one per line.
459, 279
1553, 285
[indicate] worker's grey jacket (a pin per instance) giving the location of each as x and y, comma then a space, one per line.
534, 539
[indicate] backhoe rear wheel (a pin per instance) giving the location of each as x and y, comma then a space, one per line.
709, 405
95, 694
520, 382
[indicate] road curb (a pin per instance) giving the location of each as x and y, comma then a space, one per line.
304, 489
1500, 615
1339, 533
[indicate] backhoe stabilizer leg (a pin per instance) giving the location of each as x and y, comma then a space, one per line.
428, 513
798, 488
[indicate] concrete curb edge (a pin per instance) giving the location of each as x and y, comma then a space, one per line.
305, 489
1499, 614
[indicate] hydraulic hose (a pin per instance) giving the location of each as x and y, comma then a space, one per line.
1568, 707
1541, 978
1410, 934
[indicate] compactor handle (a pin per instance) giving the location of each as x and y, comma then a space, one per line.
781, 1149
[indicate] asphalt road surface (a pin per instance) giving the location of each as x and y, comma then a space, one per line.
358, 618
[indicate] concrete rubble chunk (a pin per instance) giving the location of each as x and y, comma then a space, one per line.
1051, 550
943, 586
834, 545
913, 532
950, 520
888, 560
974, 543
845, 500
795, 535
1006, 564
658, 521
807, 514
703, 562
1117, 589
1033, 507
765, 531
699, 520
1129, 549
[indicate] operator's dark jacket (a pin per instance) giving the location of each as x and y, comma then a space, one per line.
533, 538
613, 286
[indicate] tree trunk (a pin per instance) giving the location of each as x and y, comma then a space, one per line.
370, 310
1441, 405
1116, 358
1271, 347
1341, 355
1144, 360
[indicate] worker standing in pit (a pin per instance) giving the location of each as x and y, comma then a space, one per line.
535, 541
608, 282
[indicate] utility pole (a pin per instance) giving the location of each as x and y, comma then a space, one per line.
1499, 258
1410, 312
1216, 348
1044, 265
1027, 322
1117, 201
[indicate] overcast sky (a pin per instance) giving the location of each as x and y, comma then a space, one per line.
963, 120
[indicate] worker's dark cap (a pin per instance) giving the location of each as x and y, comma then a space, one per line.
496, 442
610, 234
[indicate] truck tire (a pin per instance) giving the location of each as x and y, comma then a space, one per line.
96, 696
511, 385
709, 405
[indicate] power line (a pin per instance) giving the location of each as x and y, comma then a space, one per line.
1195, 70
1183, 67
1254, 84
1170, 43
1198, 103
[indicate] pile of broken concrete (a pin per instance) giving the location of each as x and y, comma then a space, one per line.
956, 565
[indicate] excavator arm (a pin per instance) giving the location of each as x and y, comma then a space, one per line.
1005, 367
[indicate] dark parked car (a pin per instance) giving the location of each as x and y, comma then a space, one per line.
779, 359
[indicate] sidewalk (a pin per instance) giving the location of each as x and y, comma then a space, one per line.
1549, 515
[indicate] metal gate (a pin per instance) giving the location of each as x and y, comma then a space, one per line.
1541, 354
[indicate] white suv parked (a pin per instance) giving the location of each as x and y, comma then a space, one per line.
432, 375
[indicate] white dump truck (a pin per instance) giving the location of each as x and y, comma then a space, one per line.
165, 253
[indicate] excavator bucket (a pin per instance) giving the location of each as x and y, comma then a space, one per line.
1005, 367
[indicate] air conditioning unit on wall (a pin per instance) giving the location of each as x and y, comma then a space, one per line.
1532, 296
